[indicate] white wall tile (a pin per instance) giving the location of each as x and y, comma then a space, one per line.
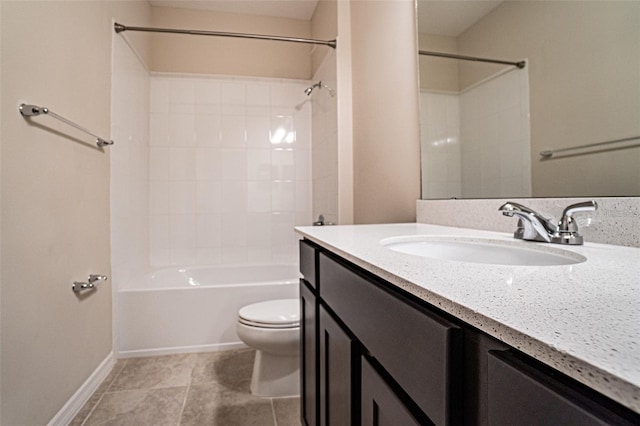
259, 196
207, 92
158, 163
217, 179
233, 131
208, 197
283, 196
234, 164
258, 128
182, 164
258, 95
159, 96
181, 130
182, 197
303, 171
159, 232
233, 93
234, 231
184, 256
182, 231
208, 129
208, 164
259, 164
181, 91
234, 197
208, 230
159, 197
259, 229
283, 164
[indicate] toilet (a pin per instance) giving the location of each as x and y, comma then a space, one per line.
273, 329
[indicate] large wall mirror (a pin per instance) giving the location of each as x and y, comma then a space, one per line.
567, 124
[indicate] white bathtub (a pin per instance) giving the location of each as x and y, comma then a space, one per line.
194, 309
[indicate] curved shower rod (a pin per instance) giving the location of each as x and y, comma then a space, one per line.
120, 28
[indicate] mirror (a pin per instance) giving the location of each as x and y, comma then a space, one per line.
484, 126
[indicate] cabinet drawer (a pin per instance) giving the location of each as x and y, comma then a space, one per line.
308, 256
399, 333
521, 393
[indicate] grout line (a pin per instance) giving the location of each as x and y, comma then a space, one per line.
273, 411
184, 400
103, 394
124, 364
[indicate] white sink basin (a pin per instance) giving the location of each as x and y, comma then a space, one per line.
481, 250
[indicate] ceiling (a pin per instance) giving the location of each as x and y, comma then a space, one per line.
444, 17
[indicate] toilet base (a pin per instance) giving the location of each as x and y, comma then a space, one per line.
275, 376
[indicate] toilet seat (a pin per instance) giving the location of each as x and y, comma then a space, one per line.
280, 313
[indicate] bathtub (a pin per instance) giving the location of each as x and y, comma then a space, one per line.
194, 309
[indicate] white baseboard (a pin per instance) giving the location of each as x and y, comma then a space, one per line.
82, 395
180, 350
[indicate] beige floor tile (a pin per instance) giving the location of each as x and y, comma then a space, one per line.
215, 404
86, 409
155, 372
213, 387
139, 407
287, 411
231, 368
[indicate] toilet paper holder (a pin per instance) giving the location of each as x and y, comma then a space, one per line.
92, 282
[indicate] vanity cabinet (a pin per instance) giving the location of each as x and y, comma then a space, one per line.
373, 354
309, 372
519, 389
336, 371
380, 405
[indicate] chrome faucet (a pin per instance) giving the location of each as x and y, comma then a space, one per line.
533, 226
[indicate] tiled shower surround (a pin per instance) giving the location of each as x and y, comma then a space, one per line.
229, 169
476, 143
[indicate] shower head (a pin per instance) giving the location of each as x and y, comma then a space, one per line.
309, 89
319, 85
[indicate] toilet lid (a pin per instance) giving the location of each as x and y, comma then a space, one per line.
272, 313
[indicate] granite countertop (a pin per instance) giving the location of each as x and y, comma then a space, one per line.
582, 319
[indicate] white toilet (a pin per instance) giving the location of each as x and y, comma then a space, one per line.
273, 329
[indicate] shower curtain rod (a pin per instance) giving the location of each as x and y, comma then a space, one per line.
120, 28
519, 64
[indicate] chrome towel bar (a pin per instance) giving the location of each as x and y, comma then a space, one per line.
34, 110
551, 152
92, 282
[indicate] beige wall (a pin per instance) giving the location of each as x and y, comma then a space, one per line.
324, 26
584, 83
344, 84
438, 73
385, 111
55, 200
229, 56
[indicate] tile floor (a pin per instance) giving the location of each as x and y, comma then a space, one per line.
210, 388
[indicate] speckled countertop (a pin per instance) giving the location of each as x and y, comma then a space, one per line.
582, 319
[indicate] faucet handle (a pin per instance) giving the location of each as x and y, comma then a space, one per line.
567, 226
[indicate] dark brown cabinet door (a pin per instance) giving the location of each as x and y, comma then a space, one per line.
380, 406
309, 371
521, 394
336, 349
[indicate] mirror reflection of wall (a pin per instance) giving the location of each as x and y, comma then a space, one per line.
483, 126
475, 142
